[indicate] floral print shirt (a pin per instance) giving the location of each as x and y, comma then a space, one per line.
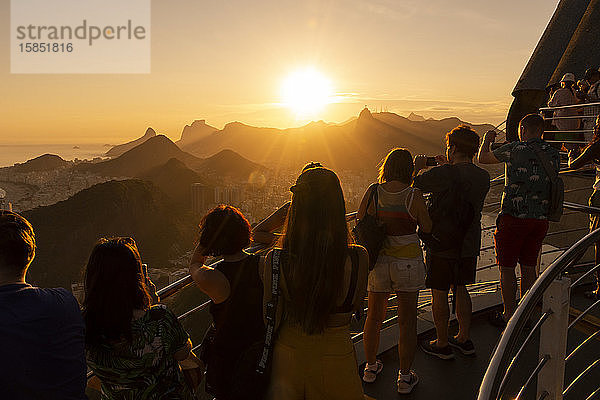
526, 184
143, 368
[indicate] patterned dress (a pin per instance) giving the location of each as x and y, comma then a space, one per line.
143, 368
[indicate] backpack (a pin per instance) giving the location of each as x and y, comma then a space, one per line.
369, 232
557, 186
451, 214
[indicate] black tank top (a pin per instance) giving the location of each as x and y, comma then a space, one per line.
239, 319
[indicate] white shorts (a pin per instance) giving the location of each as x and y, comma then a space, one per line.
392, 274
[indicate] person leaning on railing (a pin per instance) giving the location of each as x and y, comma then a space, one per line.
234, 286
132, 346
565, 96
322, 282
41, 330
522, 223
592, 77
399, 267
591, 154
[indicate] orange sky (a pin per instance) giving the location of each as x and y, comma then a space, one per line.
225, 61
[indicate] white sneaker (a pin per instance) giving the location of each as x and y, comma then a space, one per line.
370, 374
405, 387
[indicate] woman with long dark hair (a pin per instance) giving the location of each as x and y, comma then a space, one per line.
322, 282
591, 154
399, 268
132, 346
236, 292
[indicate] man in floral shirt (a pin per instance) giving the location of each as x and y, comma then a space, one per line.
522, 224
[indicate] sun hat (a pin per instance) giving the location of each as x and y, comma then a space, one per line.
568, 77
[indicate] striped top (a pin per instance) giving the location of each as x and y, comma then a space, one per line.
393, 209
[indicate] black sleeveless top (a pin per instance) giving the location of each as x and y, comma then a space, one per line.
239, 319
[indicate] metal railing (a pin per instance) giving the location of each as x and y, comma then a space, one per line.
552, 290
590, 112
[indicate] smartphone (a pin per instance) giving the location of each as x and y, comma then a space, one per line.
431, 162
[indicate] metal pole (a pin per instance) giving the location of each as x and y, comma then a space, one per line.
553, 339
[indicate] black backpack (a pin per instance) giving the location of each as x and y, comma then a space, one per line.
369, 232
451, 214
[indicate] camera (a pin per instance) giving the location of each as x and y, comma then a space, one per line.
431, 162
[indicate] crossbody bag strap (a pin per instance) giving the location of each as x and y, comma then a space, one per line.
550, 171
373, 195
271, 313
348, 302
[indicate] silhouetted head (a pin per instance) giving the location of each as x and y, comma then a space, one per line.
224, 231
397, 166
312, 164
568, 80
316, 239
17, 245
462, 142
114, 287
592, 75
531, 127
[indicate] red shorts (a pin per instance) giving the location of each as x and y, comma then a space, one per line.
518, 240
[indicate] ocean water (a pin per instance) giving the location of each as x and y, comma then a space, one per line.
11, 154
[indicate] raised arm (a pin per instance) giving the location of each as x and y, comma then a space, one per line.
209, 280
588, 155
418, 209
264, 231
486, 155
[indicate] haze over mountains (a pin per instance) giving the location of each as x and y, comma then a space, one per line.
152, 203
354, 145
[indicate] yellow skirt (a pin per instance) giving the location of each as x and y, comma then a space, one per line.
314, 367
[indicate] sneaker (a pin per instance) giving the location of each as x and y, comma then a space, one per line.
467, 348
370, 374
445, 353
497, 319
405, 387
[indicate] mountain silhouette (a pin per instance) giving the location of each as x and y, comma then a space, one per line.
415, 117
174, 178
116, 151
46, 162
355, 145
197, 130
227, 163
66, 231
154, 152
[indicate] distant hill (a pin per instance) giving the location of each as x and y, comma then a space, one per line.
197, 130
116, 151
67, 231
152, 153
46, 162
415, 117
228, 163
174, 178
356, 145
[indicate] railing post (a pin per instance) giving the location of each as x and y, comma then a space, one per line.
553, 340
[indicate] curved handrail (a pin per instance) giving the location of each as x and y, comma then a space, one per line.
508, 342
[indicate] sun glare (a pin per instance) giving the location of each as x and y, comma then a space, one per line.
306, 92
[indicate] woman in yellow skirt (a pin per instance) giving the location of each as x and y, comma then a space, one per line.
323, 281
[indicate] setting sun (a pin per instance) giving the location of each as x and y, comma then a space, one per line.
306, 92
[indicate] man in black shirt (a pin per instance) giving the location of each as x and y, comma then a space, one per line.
457, 184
